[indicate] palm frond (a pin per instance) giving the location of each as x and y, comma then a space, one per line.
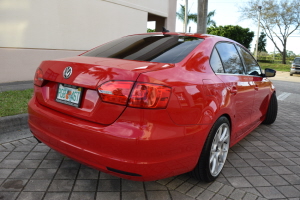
192, 17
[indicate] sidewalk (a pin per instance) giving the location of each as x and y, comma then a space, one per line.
285, 76
264, 165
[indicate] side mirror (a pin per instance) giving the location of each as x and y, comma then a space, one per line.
269, 72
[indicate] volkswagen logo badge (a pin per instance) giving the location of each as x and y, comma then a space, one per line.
67, 72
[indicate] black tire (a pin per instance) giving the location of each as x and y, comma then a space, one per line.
203, 169
291, 74
272, 110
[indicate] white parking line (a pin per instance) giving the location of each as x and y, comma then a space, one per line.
283, 96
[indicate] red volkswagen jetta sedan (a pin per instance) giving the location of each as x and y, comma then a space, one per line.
150, 106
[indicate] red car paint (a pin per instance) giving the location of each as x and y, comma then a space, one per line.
137, 143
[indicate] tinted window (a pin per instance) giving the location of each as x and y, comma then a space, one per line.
154, 48
251, 66
230, 58
216, 63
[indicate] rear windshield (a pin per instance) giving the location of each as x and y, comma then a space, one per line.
153, 48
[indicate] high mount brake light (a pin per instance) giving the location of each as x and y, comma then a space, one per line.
38, 77
143, 95
146, 95
115, 91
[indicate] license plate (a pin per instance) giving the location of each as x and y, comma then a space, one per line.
69, 94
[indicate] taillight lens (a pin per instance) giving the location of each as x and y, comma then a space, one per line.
146, 95
38, 77
115, 91
143, 95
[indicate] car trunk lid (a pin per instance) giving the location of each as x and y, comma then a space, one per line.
88, 73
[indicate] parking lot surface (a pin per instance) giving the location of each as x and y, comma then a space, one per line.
264, 165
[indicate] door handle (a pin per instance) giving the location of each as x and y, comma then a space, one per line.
233, 90
256, 87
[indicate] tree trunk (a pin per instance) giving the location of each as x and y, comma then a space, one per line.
202, 16
284, 51
186, 16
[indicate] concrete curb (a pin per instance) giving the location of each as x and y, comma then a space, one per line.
19, 85
13, 123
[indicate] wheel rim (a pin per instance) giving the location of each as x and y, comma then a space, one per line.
219, 149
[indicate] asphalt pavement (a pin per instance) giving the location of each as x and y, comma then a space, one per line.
264, 165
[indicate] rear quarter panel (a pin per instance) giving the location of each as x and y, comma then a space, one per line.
198, 96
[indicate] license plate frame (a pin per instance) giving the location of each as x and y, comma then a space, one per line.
69, 94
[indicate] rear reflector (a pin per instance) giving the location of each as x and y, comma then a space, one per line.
115, 91
38, 77
146, 95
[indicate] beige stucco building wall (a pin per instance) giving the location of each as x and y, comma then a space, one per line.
32, 31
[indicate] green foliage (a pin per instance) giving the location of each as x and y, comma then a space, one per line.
242, 35
193, 17
149, 30
190, 17
276, 58
290, 54
14, 102
275, 66
279, 19
262, 42
210, 21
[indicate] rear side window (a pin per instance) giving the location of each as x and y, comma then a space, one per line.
216, 63
153, 48
251, 66
230, 58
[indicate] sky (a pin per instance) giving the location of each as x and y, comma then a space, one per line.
227, 13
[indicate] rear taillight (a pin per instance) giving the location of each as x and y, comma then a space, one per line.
38, 77
146, 95
143, 95
115, 91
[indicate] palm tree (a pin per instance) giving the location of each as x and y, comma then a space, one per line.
181, 16
193, 17
210, 21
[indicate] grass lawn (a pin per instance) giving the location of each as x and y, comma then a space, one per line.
14, 102
276, 66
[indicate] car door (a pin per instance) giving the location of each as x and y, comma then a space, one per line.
242, 93
259, 84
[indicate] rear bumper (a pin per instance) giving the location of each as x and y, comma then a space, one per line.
132, 147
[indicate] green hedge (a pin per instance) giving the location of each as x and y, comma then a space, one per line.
270, 59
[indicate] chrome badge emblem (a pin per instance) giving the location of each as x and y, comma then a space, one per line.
67, 72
